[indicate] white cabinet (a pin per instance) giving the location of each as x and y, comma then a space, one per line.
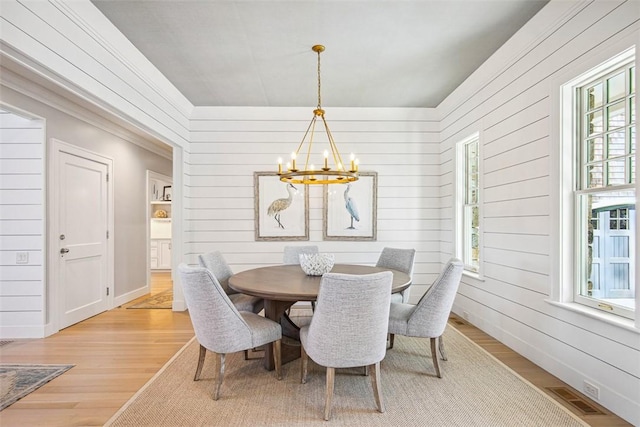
160, 254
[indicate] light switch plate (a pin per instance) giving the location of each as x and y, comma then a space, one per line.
22, 257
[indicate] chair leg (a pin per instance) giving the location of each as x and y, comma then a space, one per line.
303, 365
246, 355
277, 357
216, 393
434, 356
331, 374
377, 389
203, 353
313, 306
391, 337
443, 354
366, 371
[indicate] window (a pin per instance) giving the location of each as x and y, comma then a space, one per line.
468, 202
605, 197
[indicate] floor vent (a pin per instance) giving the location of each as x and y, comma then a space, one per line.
575, 400
457, 321
5, 343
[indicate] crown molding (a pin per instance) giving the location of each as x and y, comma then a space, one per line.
32, 84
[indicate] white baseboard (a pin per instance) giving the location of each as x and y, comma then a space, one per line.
179, 305
130, 296
20, 332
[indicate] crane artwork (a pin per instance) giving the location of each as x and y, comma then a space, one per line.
278, 205
350, 205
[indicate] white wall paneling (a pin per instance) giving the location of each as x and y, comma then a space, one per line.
229, 144
509, 101
93, 59
22, 225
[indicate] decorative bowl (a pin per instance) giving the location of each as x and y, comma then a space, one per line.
160, 213
316, 264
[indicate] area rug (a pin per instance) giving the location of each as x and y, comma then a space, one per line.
161, 300
476, 390
17, 381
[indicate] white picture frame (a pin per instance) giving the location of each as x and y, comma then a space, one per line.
341, 224
281, 211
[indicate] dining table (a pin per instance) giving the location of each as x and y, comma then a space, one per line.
281, 286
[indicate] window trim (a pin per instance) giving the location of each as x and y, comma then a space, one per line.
460, 191
563, 268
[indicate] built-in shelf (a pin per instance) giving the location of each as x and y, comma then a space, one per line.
160, 205
159, 213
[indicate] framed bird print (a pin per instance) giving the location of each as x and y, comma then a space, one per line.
281, 209
350, 211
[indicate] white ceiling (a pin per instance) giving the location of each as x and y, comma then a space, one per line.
409, 53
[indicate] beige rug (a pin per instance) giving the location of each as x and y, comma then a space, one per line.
476, 390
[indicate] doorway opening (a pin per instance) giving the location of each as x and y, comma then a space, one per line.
159, 247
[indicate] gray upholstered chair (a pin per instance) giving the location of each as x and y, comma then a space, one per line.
292, 253
428, 318
217, 265
401, 260
219, 326
348, 328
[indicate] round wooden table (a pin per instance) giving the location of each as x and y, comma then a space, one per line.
282, 285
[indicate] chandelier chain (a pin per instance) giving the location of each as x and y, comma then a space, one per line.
319, 96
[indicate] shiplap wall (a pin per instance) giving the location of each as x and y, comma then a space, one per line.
22, 219
229, 144
84, 52
512, 105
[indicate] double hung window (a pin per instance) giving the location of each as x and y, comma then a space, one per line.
468, 209
605, 191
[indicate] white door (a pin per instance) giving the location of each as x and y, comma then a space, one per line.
82, 237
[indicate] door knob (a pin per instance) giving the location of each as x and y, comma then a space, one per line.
64, 250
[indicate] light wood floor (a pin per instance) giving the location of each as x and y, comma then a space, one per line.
117, 352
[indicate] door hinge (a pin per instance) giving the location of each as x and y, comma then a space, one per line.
107, 291
107, 234
107, 177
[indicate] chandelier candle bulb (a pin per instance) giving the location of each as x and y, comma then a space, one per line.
293, 162
326, 160
353, 164
279, 165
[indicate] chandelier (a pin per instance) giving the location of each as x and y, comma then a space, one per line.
333, 170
